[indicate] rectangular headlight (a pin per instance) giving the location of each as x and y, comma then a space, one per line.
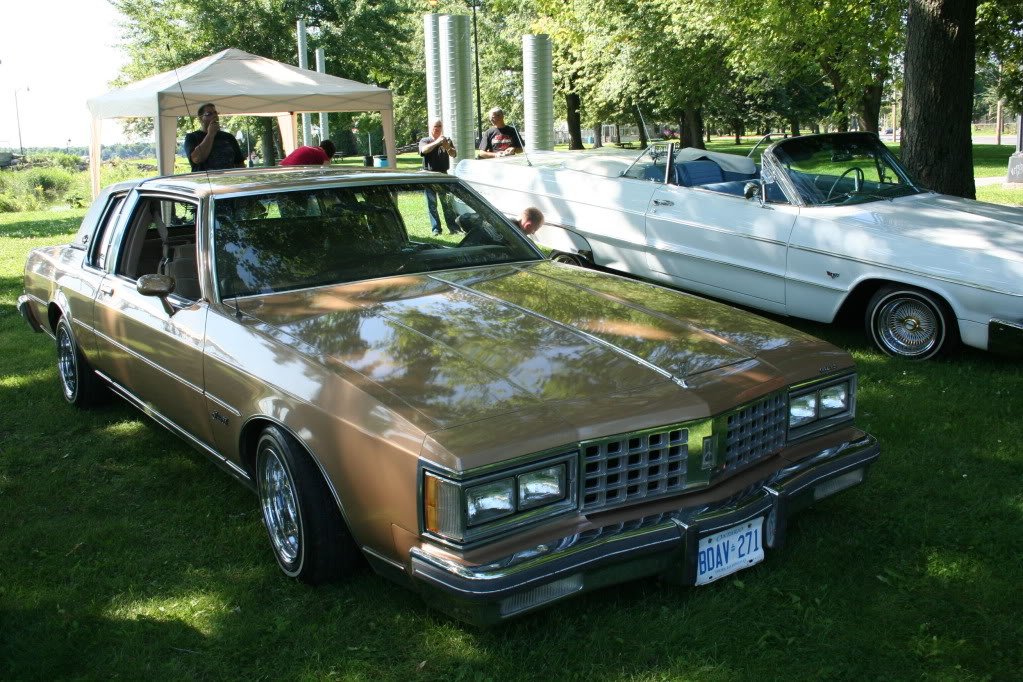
802, 409
490, 501
540, 487
834, 399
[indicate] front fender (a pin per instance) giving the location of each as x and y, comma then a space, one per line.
560, 238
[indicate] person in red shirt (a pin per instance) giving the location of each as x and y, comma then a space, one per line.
311, 156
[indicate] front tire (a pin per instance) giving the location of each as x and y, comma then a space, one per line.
78, 381
309, 538
911, 323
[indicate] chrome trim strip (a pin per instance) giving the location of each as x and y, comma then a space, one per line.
711, 228
173, 427
220, 402
775, 275
907, 271
600, 342
380, 557
146, 360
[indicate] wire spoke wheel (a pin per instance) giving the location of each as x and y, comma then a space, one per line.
67, 363
280, 507
910, 323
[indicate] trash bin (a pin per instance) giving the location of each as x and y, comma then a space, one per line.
379, 161
367, 160
590, 139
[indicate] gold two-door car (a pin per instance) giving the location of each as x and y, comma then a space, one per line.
492, 429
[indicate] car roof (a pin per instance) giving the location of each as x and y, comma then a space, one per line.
278, 178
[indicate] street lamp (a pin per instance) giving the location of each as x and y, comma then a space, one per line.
477, 4
17, 116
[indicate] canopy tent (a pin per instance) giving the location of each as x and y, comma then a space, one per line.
237, 83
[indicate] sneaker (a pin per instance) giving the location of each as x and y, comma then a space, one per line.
436, 233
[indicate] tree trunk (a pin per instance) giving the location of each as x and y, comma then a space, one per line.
938, 94
575, 133
738, 131
794, 126
693, 136
870, 106
843, 116
598, 134
642, 129
266, 140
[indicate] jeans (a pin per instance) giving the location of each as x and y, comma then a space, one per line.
445, 204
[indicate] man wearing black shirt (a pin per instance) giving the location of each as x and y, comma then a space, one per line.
211, 148
500, 139
437, 151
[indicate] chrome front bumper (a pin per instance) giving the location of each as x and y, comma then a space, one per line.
662, 544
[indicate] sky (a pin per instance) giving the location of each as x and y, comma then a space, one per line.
64, 52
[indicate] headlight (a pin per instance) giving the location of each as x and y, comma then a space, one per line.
540, 487
490, 501
802, 409
464, 511
813, 407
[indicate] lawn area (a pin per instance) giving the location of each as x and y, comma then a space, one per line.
132, 556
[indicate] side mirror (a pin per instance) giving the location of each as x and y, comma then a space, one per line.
753, 189
160, 286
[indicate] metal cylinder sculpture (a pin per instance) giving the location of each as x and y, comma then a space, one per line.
303, 63
538, 92
456, 83
431, 32
321, 67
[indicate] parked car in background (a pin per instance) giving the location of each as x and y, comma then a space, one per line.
489, 428
825, 223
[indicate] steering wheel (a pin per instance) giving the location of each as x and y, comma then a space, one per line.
857, 181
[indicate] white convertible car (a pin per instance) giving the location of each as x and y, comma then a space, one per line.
826, 223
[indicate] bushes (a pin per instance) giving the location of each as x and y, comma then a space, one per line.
33, 189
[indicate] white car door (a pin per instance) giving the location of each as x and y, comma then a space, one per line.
719, 244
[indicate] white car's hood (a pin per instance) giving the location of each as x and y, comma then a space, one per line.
944, 220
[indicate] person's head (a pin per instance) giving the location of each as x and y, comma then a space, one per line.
436, 128
328, 147
530, 220
207, 114
496, 116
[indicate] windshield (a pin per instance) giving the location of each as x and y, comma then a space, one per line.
265, 243
846, 168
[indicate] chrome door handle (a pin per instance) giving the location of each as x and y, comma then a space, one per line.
108, 292
663, 202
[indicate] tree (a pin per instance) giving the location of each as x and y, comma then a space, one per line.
938, 94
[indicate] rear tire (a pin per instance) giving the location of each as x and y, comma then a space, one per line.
307, 533
570, 259
911, 323
78, 381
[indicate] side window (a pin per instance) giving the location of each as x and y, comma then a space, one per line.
161, 239
104, 235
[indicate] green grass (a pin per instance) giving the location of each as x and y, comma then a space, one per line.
128, 555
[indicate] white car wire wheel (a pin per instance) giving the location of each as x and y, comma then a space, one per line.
307, 534
907, 322
78, 382
570, 259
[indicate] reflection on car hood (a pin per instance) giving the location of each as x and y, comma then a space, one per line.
465, 345
949, 221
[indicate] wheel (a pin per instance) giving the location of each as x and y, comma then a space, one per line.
911, 323
569, 258
307, 534
79, 383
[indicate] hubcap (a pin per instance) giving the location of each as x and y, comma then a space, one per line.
567, 258
907, 327
67, 363
280, 507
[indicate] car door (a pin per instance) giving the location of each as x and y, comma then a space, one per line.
720, 244
153, 354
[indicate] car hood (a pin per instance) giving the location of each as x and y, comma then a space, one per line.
947, 221
461, 346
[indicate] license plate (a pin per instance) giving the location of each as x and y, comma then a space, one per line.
730, 550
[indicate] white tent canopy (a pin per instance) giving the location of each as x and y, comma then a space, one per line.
237, 83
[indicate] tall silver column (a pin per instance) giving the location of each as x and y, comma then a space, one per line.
431, 32
538, 92
456, 83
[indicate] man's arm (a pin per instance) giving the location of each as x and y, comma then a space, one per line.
425, 149
203, 149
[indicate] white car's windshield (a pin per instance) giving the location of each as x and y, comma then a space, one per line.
842, 169
280, 241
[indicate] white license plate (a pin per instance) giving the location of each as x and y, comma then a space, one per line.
730, 550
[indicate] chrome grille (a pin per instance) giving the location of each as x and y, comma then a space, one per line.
755, 431
634, 466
